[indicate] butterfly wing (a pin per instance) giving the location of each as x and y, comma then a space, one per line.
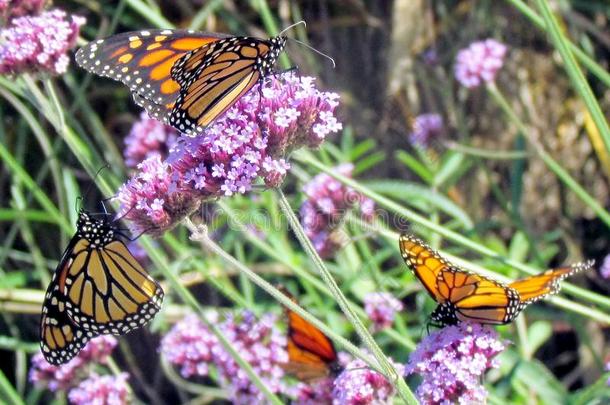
108, 291
534, 288
143, 60
214, 77
480, 299
60, 339
461, 295
425, 263
311, 354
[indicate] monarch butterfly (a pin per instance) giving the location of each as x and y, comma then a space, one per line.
464, 296
184, 78
311, 353
97, 288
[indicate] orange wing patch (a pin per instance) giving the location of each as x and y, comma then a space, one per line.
464, 296
425, 263
311, 353
533, 288
143, 60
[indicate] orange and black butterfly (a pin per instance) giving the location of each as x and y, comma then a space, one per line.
311, 354
98, 288
465, 296
184, 78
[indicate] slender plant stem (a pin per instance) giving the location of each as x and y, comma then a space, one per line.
414, 217
8, 392
202, 236
599, 71
301, 272
190, 300
576, 76
560, 302
386, 365
561, 173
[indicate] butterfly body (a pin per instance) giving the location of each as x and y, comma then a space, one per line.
184, 78
97, 288
465, 296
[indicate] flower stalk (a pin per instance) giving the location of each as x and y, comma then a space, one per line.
388, 369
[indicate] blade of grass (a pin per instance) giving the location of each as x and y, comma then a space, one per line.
299, 271
307, 158
580, 83
389, 370
8, 392
561, 173
599, 71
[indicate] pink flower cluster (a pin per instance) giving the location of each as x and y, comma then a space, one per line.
17, 8
68, 375
381, 308
479, 63
148, 137
194, 349
452, 362
357, 384
101, 390
246, 144
38, 43
328, 200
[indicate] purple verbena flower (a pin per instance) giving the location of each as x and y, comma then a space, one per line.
39, 43
68, 375
359, 385
156, 198
604, 270
425, 128
452, 362
101, 390
247, 144
381, 308
17, 8
479, 63
147, 137
194, 349
328, 200
318, 392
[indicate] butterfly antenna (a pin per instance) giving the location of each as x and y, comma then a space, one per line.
88, 190
311, 48
292, 26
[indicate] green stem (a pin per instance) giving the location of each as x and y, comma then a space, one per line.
386, 365
8, 391
560, 302
563, 175
152, 15
190, 300
31, 185
202, 236
585, 59
576, 76
456, 237
301, 272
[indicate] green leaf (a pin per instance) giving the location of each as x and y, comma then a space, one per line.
449, 167
538, 379
413, 193
594, 394
538, 333
415, 165
518, 247
362, 148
